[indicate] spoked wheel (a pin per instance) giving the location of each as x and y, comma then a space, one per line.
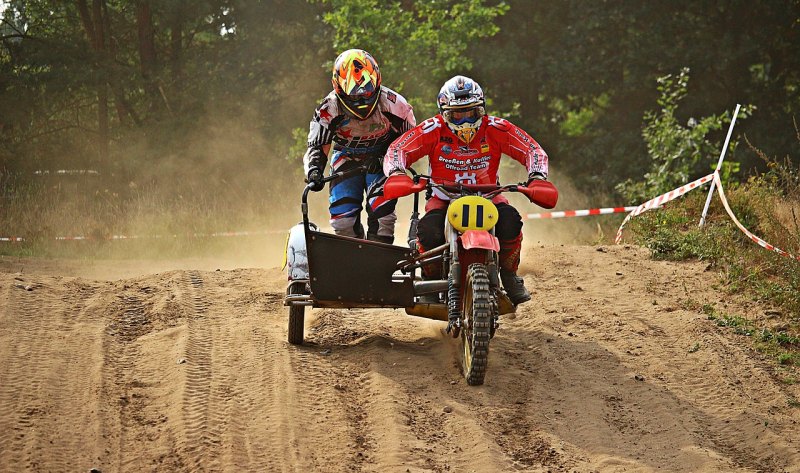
475, 333
296, 317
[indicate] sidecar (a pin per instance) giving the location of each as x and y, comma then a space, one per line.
348, 272
333, 271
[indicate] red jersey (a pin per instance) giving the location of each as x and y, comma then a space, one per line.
452, 160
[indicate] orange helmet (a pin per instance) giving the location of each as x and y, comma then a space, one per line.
357, 82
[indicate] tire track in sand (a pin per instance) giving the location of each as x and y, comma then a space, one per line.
250, 451
240, 355
315, 412
120, 353
43, 372
22, 328
225, 358
203, 416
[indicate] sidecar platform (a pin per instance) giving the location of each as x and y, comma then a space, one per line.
349, 272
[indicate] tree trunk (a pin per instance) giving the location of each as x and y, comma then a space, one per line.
95, 28
176, 42
147, 52
176, 19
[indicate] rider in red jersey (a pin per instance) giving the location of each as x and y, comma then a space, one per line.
464, 145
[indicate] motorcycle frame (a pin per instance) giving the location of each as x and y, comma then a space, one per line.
454, 258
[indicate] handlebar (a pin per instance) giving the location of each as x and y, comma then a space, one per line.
333, 175
455, 189
542, 193
338, 174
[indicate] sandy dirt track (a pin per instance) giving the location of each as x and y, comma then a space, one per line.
188, 370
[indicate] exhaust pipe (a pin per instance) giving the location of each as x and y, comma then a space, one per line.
427, 287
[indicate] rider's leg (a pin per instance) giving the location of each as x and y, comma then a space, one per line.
346, 203
509, 232
430, 234
381, 215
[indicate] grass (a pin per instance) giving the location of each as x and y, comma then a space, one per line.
768, 205
672, 233
781, 346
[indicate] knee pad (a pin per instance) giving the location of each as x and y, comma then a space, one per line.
347, 225
386, 225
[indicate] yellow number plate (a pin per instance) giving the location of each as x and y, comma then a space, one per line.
472, 213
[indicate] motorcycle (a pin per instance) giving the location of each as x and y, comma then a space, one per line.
336, 271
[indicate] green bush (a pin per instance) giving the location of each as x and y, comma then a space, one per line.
677, 151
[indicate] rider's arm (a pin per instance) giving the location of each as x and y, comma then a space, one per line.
411, 146
320, 137
409, 120
515, 142
315, 158
399, 112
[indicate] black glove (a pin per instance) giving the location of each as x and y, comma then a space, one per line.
535, 176
314, 180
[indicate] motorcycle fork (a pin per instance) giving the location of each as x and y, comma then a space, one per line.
452, 267
455, 260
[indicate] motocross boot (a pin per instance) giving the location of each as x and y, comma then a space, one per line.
514, 286
429, 272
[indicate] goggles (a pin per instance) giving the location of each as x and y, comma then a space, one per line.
364, 98
464, 115
362, 104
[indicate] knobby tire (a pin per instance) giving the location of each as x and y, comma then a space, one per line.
296, 317
476, 333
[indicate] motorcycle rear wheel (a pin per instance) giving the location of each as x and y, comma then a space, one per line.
475, 332
297, 315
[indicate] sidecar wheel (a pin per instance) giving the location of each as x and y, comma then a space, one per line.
475, 334
296, 317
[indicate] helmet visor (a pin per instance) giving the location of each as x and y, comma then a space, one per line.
361, 104
363, 98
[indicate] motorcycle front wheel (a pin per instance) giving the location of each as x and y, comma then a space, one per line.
475, 331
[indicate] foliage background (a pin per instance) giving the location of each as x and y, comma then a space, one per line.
193, 109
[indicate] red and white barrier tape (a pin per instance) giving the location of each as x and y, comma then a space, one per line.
634, 211
662, 199
581, 213
752, 237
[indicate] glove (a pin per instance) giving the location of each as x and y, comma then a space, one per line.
541, 192
314, 180
535, 176
400, 184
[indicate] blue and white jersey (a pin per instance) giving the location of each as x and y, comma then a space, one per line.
355, 139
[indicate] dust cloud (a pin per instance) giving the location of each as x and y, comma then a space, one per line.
226, 176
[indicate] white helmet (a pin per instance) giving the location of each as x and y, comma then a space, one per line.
462, 106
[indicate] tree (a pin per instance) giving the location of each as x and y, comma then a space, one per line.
418, 45
583, 73
678, 153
